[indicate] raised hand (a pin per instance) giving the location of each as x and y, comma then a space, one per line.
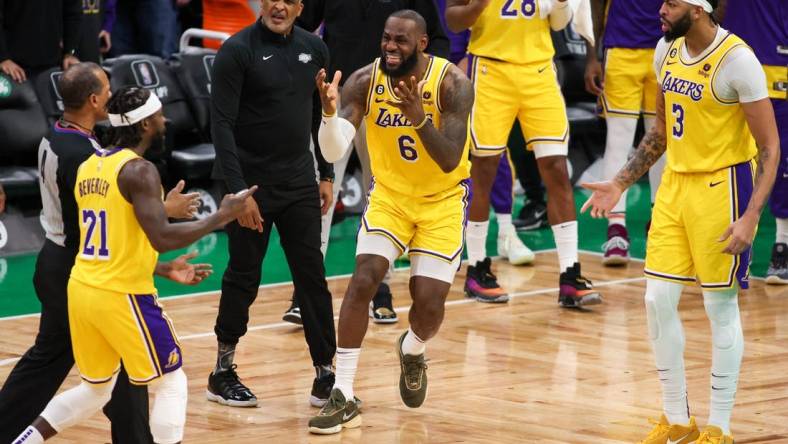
604, 198
181, 271
179, 205
410, 100
329, 92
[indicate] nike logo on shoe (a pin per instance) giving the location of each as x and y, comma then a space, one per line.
267, 57
670, 441
345, 416
714, 184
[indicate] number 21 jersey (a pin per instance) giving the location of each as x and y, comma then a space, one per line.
114, 252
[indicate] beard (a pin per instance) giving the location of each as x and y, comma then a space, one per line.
404, 67
157, 145
679, 29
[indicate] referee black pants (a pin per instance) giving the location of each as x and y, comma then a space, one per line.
39, 373
295, 211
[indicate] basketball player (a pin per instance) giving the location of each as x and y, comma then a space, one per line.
514, 77
113, 310
417, 134
626, 87
764, 26
716, 123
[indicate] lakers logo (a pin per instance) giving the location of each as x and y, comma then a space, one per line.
173, 359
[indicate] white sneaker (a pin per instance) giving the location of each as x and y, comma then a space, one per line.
511, 247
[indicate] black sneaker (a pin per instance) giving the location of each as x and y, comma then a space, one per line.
412, 377
777, 274
482, 285
532, 216
381, 309
293, 314
575, 291
321, 391
226, 389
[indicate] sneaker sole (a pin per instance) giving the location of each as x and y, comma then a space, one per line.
615, 260
228, 402
534, 226
293, 319
591, 299
352, 424
383, 320
776, 280
487, 299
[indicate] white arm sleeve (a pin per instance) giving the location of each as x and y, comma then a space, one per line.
741, 77
335, 136
560, 15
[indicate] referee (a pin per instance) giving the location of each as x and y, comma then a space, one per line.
263, 109
37, 376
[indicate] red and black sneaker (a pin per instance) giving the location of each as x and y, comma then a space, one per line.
575, 291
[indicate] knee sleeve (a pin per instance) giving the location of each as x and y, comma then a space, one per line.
169, 409
722, 308
76, 404
662, 300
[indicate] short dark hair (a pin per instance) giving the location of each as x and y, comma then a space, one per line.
409, 14
78, 83
124, 100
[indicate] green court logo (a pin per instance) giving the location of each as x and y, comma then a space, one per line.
5, 87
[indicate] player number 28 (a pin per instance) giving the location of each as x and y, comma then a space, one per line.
91, 218
678, 128
407, 148
527, 8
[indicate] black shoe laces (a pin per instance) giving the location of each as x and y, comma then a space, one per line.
413, 368
485, 274
230, 378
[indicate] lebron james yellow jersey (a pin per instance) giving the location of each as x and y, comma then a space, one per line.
397, 155
512, 31
114, 252
704, 132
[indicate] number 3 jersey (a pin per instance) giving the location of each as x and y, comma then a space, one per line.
705, 125
114, 252
398, 157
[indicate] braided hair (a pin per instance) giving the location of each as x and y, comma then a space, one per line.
124, 100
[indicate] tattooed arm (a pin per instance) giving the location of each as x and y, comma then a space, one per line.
650, 149
446, 145
760, 119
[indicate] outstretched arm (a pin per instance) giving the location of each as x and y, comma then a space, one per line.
140, 184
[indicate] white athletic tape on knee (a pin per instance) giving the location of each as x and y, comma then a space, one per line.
169, 409
76, 404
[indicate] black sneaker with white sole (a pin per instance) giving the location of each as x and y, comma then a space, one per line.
321, 391
532, 216
381, 308
226, 388
293, 314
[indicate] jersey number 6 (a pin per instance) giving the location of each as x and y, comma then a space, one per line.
407, 148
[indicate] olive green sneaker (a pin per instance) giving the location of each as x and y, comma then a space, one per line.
413, 377
337, 413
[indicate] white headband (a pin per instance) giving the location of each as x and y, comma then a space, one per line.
702, 3
150, 107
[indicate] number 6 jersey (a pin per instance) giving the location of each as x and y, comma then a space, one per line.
114, 252
397, 155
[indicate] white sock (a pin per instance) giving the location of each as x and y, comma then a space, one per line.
412, 344
667, 340
29, 436
347, 362
475, 241
727, 340
504, 223
782, 230
565, 235
620, 134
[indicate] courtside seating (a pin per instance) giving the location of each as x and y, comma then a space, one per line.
22, 125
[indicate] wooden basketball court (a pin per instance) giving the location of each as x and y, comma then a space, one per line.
526, 371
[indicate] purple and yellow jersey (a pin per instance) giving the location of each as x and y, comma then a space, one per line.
763, 24
632, 24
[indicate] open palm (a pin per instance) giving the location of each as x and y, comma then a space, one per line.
184, 272
604, 197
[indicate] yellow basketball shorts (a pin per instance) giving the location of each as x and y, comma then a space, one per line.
690, 214
507, 91
630, 83
107, 326
430, 228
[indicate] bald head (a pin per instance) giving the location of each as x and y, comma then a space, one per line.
78, 83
